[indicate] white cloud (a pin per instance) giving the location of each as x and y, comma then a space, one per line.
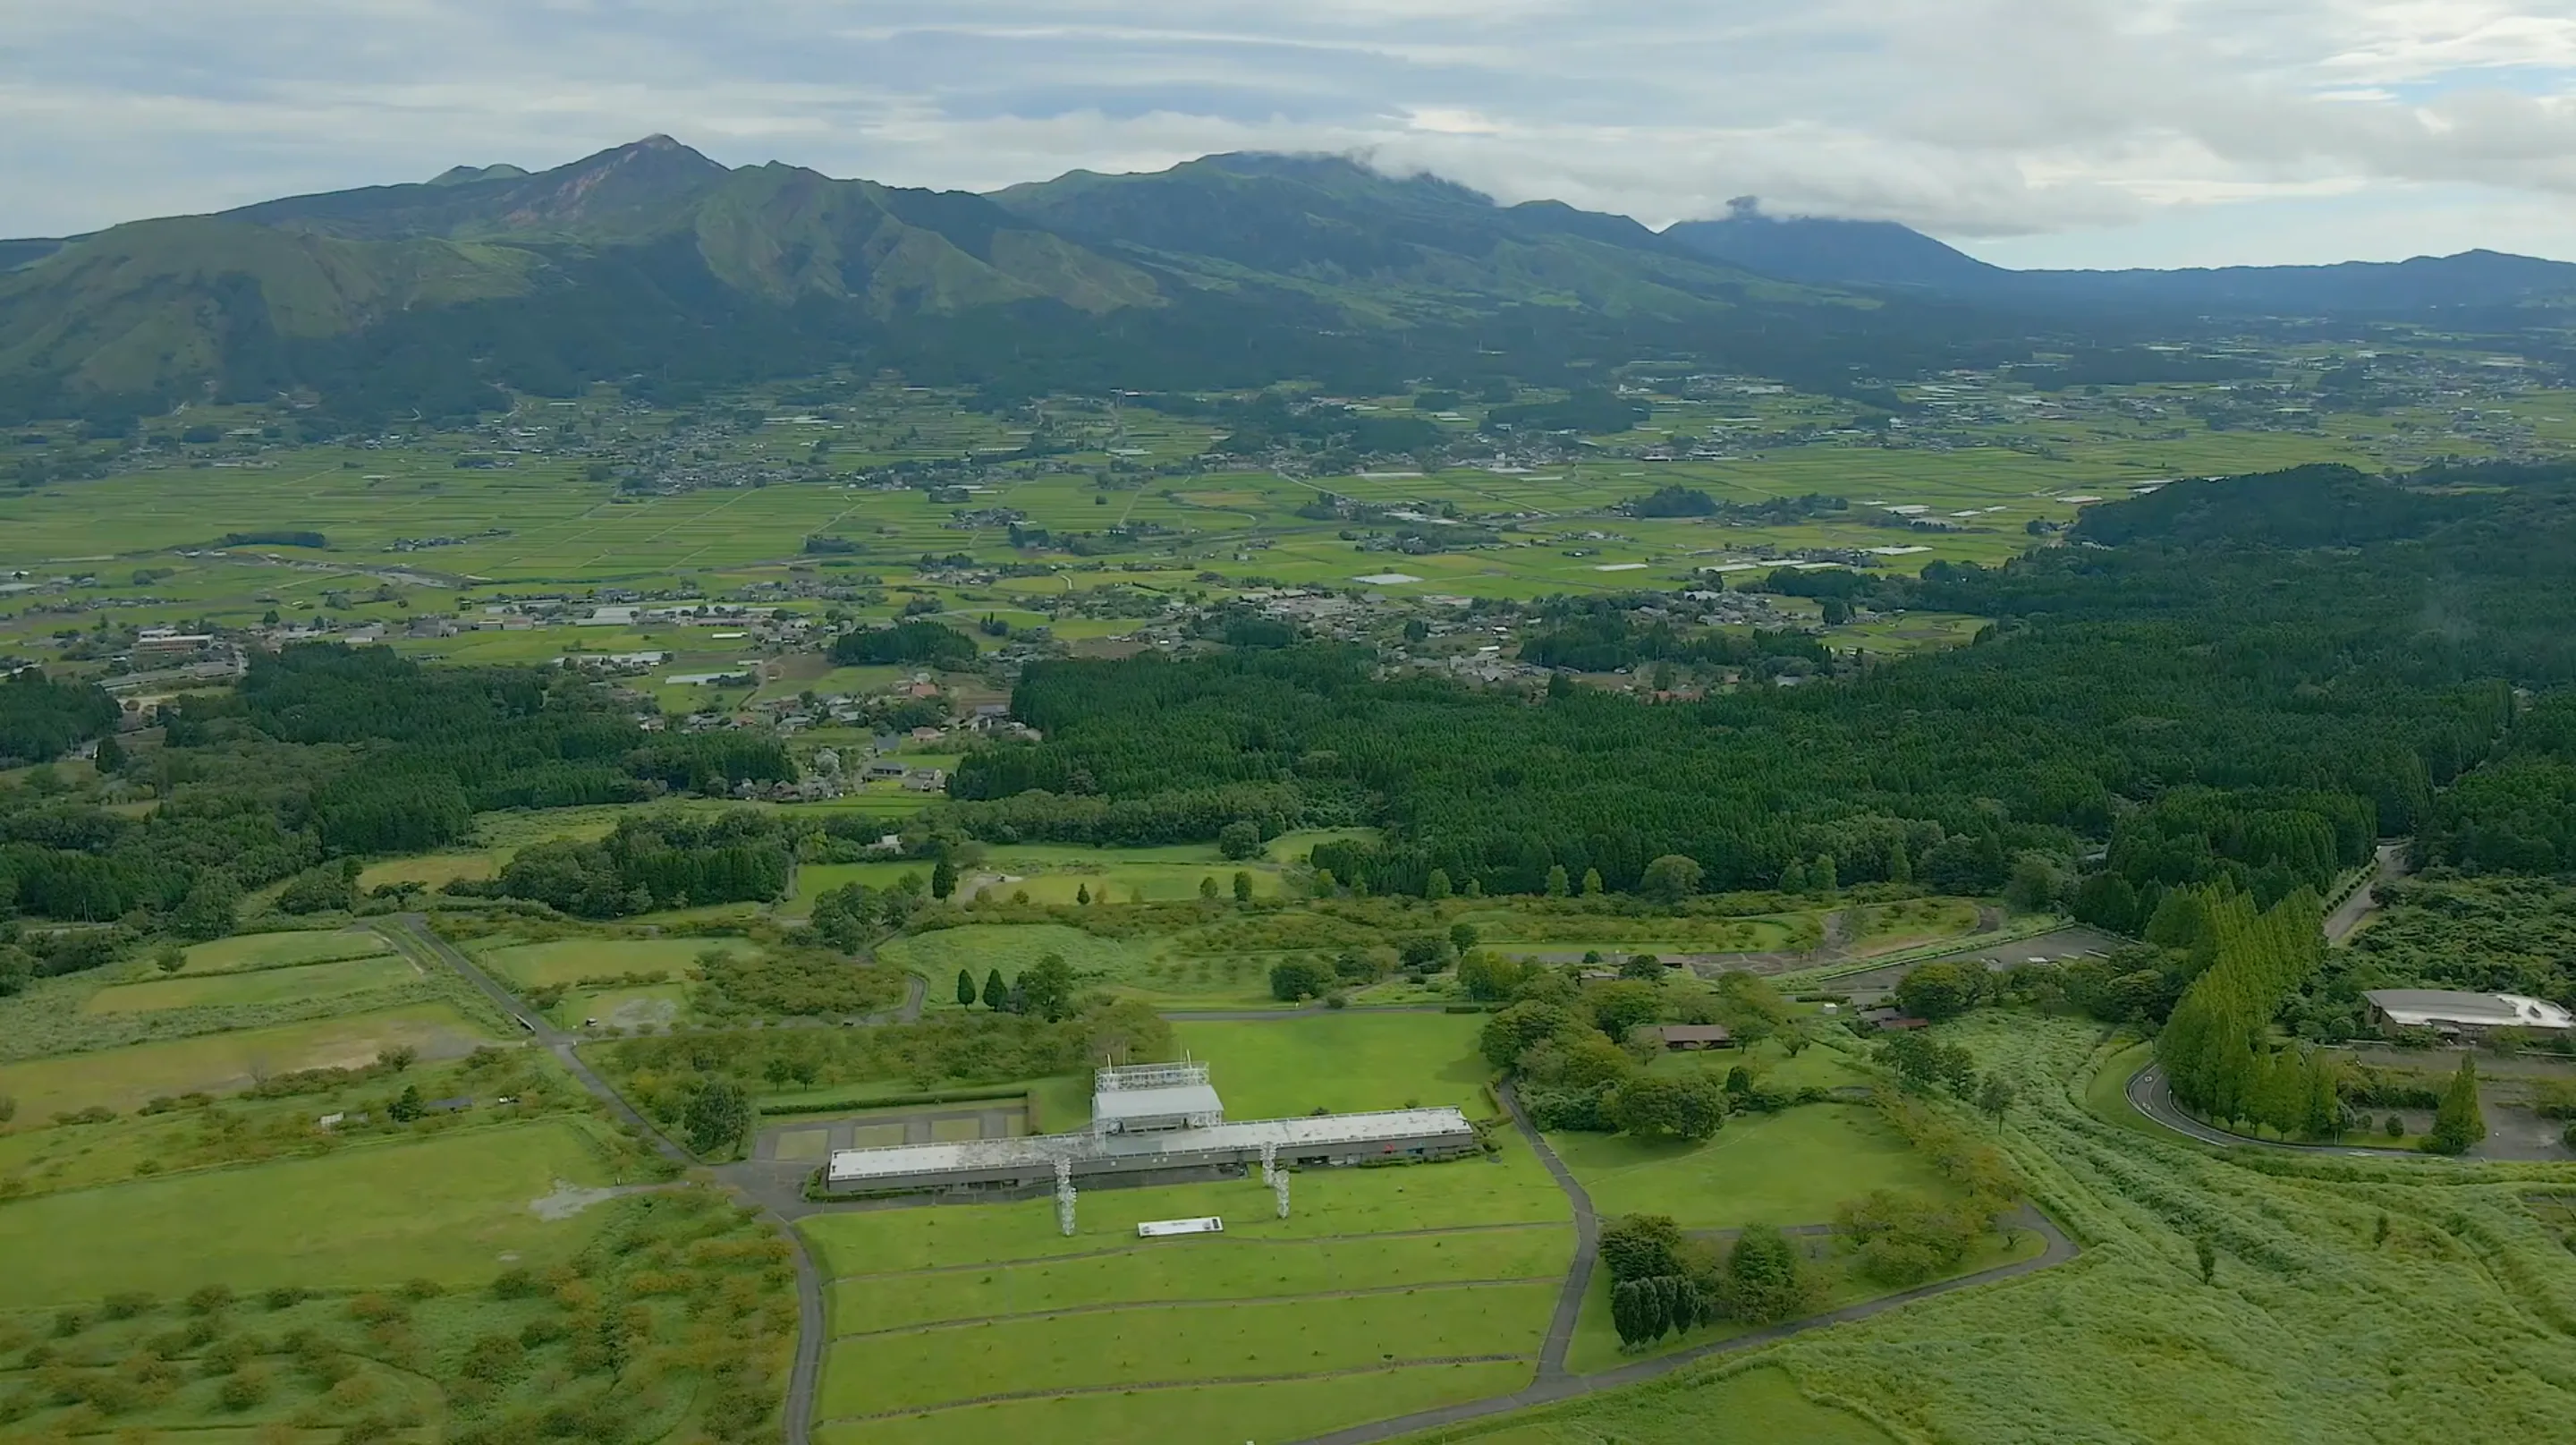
2054, 121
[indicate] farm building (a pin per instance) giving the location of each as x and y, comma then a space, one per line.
1150, 1122
2463, 1014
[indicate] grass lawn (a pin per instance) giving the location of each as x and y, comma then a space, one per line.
446, 1208
1596, 1340
1167, 1344
266, 985
566, 960
1759, 1406
1787, 1168
1342, 1061
981, 947
219, 1063
813, 880
283, 950
1280, 1410
435, 870
1216, 1268
1126, 1339
1815, 1066
1061, 1104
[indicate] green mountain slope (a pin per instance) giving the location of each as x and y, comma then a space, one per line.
1390, 248
652, 265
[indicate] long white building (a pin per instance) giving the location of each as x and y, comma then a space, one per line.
1147, 1120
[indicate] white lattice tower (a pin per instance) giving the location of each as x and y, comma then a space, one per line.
1279, 1187
1064, 1196
1270, 1162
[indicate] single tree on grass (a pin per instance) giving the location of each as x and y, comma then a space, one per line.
1046, 986
2458, 1124
717, 1117
966, 988
1994, 1097
1242, 887
1766, 1277
996, 992
943, 879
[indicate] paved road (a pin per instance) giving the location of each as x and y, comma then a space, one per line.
2356, 910
411, 934
2152, 1096
1587, 1245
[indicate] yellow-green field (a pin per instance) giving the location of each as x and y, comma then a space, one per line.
447, 1208
280, 950
219, 1063
265, 985
564, 961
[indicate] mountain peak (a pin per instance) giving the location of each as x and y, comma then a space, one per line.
467, 175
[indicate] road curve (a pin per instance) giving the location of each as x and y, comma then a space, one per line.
2151, 1095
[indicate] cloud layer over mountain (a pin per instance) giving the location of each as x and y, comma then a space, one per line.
2038, 131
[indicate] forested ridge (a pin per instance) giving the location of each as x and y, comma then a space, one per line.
2208, 707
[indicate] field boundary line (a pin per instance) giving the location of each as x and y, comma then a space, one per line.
1228, 1242
963, 1321
1133, 1387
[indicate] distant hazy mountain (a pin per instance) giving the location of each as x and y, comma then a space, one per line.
1868, 253
1886, 256
1406, 246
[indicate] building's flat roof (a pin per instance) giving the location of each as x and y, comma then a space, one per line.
2421, 1006
1192, 1100
1311, 1131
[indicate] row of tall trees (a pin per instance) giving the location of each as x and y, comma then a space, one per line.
2216, 1049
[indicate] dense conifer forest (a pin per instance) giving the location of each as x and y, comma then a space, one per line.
2245, 680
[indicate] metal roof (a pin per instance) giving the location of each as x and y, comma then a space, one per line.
2421, 1006
1313, 1131
1188, 1100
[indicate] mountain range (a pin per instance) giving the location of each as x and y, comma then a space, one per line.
1884, 256
651, 265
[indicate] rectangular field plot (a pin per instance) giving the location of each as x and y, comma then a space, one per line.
536, 965
1510, 1188
1169, 1345
248, 951
1342, 1061
444, 1209
1787, 1168
220, 1063
1280, 1410
1220, 1267
258, 986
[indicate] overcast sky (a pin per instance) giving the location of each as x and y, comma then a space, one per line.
2031, 132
